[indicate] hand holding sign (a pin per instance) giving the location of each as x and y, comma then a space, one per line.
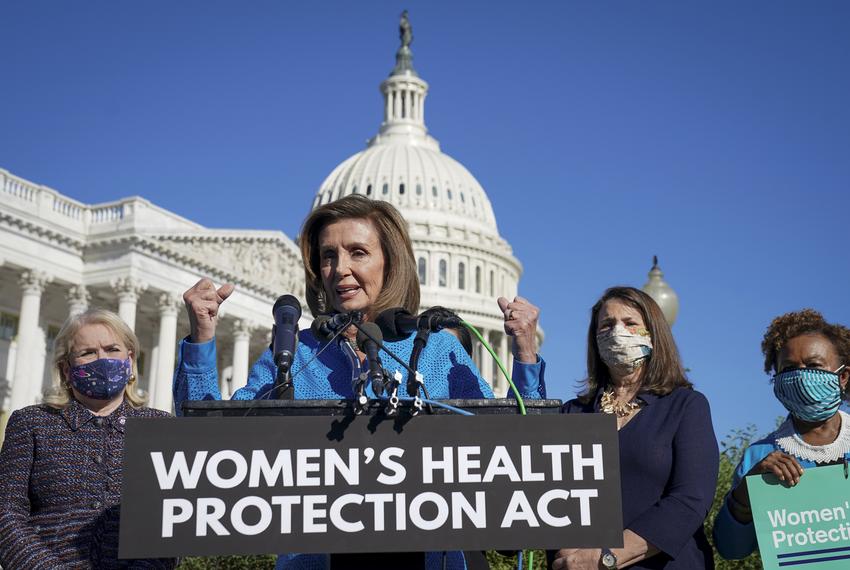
785, 467
807, 524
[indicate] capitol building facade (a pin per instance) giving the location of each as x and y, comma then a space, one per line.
59, 256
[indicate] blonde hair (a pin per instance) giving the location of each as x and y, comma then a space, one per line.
401, 283
61, 395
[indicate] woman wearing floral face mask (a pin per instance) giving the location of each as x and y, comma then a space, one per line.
668, 452
808, 357
61, 462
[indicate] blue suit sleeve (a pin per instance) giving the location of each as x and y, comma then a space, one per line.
196, 375
529, 379
735, 540
680, 511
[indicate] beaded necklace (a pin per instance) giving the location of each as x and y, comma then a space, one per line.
610, 405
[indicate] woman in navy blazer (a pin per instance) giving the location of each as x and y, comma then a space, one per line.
668, 452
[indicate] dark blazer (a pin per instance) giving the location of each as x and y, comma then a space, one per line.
668, 472
60, 487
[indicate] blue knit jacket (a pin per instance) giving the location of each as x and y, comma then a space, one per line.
447, 369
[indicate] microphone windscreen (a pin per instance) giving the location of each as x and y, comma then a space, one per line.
288, 305
373, 330
316, 327
387, 320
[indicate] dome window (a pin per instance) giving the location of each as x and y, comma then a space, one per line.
354, 190
386, 189
423, 271
462, 199
477, 279
449, 193
434, 191
401, 188
461, 275
369, 190
443, 273
418, 189
492, 283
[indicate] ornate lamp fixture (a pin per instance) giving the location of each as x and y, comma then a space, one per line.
661, 292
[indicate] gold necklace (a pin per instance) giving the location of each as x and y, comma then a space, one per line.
610, 405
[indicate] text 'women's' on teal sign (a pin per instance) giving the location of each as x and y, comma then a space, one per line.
806, 526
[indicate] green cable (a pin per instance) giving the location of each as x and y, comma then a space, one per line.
530, 560
499, 363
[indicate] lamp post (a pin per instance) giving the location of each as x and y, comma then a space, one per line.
661, 292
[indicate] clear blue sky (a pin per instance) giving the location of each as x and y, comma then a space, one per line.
716, 135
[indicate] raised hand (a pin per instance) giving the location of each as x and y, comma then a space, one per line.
521, 323
202, 303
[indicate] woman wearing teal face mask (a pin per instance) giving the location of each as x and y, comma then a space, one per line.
61, 462
809, 359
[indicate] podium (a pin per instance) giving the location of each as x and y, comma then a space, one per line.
340, 408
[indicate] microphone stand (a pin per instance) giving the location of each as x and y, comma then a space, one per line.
415, 381
360, 399
283, 380
285, 388
392, 405
418, 382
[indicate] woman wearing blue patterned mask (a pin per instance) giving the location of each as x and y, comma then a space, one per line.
61, 462
808, 357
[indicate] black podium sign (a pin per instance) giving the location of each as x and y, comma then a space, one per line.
214, 486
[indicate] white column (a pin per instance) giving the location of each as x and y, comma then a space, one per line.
494, 374
505, 355
422, 108
32, 283
388, 105
78, 300
153, 365
241, 344
168, 305
38, 358
128, 290
224, 378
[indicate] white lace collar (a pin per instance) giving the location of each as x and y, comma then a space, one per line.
789, 441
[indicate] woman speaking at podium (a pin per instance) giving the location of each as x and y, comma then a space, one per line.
357, 256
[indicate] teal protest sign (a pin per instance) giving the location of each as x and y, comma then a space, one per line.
805, 526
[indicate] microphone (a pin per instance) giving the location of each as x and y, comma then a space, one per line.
286, 311
397, 323
369, 337
325, 327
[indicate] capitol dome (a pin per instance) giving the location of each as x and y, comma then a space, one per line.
463, 262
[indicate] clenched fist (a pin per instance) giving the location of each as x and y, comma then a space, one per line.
521, 323
202, 303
